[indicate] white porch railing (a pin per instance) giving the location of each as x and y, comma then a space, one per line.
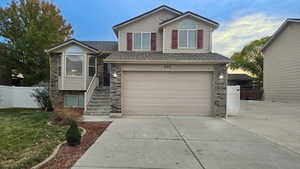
90, 90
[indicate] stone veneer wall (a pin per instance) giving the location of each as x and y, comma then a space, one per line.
115, 89
56, 96
219, 90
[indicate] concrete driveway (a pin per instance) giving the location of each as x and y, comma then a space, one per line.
279, 122
183, 143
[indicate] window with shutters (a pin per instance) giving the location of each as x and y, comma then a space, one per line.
141, 41
187, 34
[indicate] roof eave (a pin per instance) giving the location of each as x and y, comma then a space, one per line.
71, 41
278, 31
167, 61
116, 27
213, 23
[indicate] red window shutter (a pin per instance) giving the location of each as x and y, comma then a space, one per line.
153, 41
174, 39
129, 41
200, 39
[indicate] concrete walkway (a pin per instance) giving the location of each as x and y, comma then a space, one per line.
183, 143
279, 122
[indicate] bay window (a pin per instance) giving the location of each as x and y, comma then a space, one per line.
74, 61
74, 65
141, 41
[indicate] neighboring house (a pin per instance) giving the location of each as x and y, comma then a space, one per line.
162, 64
243, 80
248, 89
282, 65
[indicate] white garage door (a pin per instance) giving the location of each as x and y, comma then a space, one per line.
167, 93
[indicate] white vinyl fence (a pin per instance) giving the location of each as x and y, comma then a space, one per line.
13, 97
233, 100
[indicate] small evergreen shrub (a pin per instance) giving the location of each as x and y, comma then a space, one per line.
73, 135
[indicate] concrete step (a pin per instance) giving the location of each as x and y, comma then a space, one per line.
98, 111
100, 97
98, 108
103, 106
97, 114
99, 103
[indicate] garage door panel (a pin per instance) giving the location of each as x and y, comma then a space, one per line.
167, 93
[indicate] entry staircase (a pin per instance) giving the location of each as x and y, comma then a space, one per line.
99, 104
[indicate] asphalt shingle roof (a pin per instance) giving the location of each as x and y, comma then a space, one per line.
159, 56
102, 45
239, 77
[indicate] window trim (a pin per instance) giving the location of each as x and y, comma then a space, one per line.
82, 66
141, 41
95, 66
77, 101
187, 39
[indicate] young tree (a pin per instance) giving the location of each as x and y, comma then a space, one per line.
28, 27
250, 59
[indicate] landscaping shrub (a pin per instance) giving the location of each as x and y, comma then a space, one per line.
41, 95
73, 135
65, 115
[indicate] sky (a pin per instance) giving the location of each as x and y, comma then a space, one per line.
241, 21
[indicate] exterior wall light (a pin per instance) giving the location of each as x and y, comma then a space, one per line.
221, 76
114, 75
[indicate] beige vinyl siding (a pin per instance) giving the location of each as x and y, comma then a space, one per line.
74, 82
207, 32
167, 93
147, 24
282, 66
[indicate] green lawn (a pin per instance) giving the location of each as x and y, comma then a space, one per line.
25, 137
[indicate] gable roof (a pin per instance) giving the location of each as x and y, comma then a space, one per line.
103, 45
95, 46
194, 15
146, 14
279, 31
69, 42
243, 77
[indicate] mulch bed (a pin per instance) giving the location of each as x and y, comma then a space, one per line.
67, 156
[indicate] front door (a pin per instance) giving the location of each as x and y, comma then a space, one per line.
106, 74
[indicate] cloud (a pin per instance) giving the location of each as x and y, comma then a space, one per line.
232, 36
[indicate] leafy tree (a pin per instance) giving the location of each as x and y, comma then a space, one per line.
28, 27
250, 59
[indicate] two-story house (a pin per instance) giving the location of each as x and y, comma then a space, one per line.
162, 64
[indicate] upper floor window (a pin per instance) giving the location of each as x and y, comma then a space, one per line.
187, 34
187, 38
141, 41
74, 61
